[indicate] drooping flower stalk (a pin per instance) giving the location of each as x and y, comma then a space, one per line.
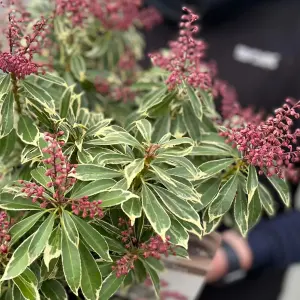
4, 235
270, 145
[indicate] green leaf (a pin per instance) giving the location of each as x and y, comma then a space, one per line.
132, 208
178, 234
70, 228
191, 122
223, 200
113, 158
40, 238
10, 202
65, 103
154, 277
110, 286
266, 199
51, 78
93, 238
16, 294
117, 138
39, 97
78, 67
7, 144
27, 288
140, 272
282, 189
241, 211
27, 130
19, 229
213, 167
7, 115
53, 247
208, 191
4, 84
177, 142
179, 207
145, 129
254, 209
179, 161
161, 127
91, 279
88, 172
151, 99
252, 182
155, 213
71, 262
19, 261
53, 290
209, 150
115, 197
133, 169
39, 176
195, 101
93, 188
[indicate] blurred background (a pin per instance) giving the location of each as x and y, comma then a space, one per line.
255, 44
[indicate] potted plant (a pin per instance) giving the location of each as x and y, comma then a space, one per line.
94, 191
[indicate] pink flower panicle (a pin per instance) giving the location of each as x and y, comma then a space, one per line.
4, 236
76, 10
60, 172
149, 17
270, 145
185, 58
122, 14
155, 247
18, 59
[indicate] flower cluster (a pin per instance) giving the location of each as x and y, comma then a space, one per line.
18, 59
270, 145
76, 10
4, 236
122, 14
149, 17
185, 58
155, 247
88, 208
60, 172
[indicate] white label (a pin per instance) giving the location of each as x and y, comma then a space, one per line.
256, 57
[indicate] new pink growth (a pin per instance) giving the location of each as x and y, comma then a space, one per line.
270, 145
185, 59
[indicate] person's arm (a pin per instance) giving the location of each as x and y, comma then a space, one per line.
272, 243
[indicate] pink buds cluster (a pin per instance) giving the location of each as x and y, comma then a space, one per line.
76, 10
60, 172
35, 192
88, 208
155, 247
60, 168
4, 236
270, 145
18, 58
185, 59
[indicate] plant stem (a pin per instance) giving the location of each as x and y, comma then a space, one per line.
15, 92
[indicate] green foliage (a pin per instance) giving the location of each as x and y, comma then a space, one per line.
158, 162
